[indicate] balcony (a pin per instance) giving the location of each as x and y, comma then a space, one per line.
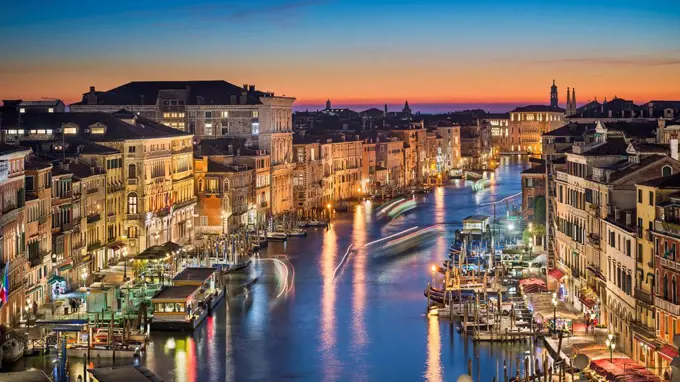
93, 218
92, 190
185, 203
132, 217
263, 204
9, 215
669, 263
644, 297
111, 218
562, 176
643, 329
594, 239
669, 228
132, 182
669, 307
162, 212
95, 245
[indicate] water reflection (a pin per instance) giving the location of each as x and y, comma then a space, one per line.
359, 277
329, 257
433, 372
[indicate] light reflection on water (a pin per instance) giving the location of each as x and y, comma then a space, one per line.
366, 324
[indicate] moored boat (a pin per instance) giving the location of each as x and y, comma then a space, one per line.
296, 232
277, 236
317, 223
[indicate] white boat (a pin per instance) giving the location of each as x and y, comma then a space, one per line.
317, 223
277, 236
296, 232
302, 224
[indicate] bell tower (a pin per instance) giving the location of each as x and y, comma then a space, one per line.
553, 95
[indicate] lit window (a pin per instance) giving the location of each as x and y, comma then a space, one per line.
97, 130
33, 131
225, 114
49, 131
11, 131
256, 114
132, 203
50, 110
41, 131
256, 128
208, 129
70, 130
22, 110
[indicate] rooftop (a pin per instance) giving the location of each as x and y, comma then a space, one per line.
571, 130
211, 92
640, 129
540, 169
613, 146
665, 182
479, 218
173, 292
124, 373
197, 274
538, 108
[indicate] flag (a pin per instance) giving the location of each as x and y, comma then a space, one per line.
4, 286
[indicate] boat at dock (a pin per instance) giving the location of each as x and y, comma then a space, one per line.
317, 223
296, 232
12, 345
277, 236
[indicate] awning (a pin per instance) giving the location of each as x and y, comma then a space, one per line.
65, 267
54, 278
34, 289
116, 245
588, 302
668, 352
556, 274
644, 341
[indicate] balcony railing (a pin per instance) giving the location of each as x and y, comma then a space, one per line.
643, 329
94, 245
9, 216
132, 181
92, 190
132, 217
668, 306
643, 296
185, 203
562, 176
93, 218
162, 212
669, 228
669, 263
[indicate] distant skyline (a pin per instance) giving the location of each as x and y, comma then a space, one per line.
436, 56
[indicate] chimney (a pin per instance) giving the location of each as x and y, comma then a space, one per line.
617, 214
674, 148
251, 88
245, 87
629, 218
92, 97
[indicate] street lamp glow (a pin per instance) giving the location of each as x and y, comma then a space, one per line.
511, 227
434, 268
328, 206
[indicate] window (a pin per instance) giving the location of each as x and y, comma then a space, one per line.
639, 253
301, 155
132, 171
70, 130
22, 110
639, 196
208, 114
628, 248
132, 149
132, 232
255, 128
208, 129
204, 221
97, 130
225, 114
50, 110
666, 171
132, 203
30, 183
651, 198
530, 182
256, 114
213, 185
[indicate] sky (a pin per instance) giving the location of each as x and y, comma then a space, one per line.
438, 55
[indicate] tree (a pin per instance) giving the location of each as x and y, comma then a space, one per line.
539, 210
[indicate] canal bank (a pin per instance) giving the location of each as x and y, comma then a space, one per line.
363, 321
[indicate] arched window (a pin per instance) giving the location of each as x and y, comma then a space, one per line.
132, 203
665, 286
666, 171
200, 185
132, 171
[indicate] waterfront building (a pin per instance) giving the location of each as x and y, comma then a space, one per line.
533, 195
475, 145
369, 165
157, 167
224, 192
434, 158
13, 259
308, 175
528, 123
390, 170
657, 307
414, 137
450, 134
500, 131
341, 162
38, 181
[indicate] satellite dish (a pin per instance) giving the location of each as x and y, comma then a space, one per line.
581, 361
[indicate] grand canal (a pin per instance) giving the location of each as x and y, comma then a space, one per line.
361, 321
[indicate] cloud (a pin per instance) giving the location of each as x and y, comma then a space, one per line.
658, 59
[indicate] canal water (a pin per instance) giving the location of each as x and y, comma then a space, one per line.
353, 318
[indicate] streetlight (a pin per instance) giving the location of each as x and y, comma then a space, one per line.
28, 312
611, 345
554, 302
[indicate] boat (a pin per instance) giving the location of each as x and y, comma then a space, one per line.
12, 347
302, 224
277, 236
297, 232
317, 223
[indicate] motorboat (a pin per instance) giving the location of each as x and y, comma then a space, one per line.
297, 232
317, 223
277, 236
302, 224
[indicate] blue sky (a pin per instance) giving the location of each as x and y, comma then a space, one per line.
350, 51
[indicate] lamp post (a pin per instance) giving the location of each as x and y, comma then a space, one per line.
28, 312
611, 345
554, 302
